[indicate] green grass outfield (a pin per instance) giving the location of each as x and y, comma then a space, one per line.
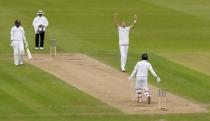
86, 26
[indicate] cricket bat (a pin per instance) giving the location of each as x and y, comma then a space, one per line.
28, 53
131, 95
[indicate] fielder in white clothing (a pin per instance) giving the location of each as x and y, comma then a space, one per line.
40, 23
140, 72
123, 31
18, 40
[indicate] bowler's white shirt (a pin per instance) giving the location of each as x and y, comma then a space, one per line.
123, 35
17, 34
141, 69
40, 21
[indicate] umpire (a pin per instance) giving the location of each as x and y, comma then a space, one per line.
40, 23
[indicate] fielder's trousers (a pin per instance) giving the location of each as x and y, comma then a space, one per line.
39, 39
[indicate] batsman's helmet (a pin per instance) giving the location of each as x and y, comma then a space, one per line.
144, 56
17, 23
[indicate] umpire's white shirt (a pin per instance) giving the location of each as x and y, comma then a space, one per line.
17, 34
123, 35
40, 21
141, 69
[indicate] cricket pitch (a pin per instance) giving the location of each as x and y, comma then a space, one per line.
108, 84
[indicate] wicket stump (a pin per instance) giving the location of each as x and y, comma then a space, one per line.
162, 100
53, 48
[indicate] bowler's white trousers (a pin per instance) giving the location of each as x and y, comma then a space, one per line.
123, 53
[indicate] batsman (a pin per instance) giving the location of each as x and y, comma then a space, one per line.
140, 72
18, 40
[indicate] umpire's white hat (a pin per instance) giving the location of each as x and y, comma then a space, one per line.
40, 12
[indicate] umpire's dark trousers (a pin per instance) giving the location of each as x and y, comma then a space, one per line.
39, 39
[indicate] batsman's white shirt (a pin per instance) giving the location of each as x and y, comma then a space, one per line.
123, 35
40, 21
17, 34
141, 69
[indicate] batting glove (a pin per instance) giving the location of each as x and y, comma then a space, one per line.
158, 79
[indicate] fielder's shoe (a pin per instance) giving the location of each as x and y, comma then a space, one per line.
149, 99
21, 63
41, 48
123, 70
36, 48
